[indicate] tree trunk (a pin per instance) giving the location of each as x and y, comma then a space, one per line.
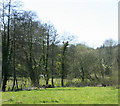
83, 75
46, 65
6, 50
62, 73
4, 83
96, 77
63, 63
47, 79
52, 65
52, 82
14, 56
13, 84
62, 81
16, 83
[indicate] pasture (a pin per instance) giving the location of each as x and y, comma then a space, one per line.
63, 95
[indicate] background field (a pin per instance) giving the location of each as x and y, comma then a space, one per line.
66, 95
26, 82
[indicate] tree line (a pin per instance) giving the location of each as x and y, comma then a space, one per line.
31, 48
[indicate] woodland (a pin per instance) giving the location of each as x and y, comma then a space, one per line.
32, 49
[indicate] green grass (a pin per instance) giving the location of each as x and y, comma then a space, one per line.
74, 95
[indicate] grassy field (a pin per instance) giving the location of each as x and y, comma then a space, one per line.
68, 95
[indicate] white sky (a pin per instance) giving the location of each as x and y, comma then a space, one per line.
92, 21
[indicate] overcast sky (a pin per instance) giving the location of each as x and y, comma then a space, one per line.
92, 21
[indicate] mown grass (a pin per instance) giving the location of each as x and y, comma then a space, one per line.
68, 95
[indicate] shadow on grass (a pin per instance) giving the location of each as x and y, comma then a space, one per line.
47, 89
59, 89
